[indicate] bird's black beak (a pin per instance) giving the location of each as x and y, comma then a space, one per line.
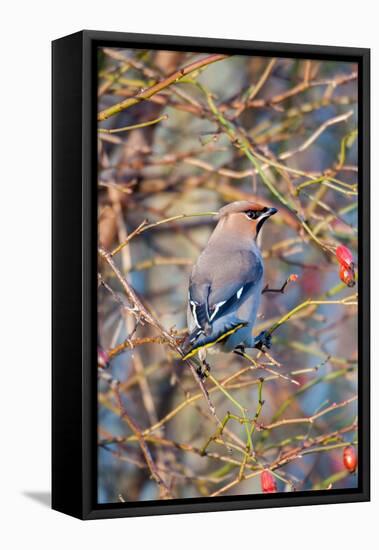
271, 212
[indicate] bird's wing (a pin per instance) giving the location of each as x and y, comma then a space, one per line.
219, 284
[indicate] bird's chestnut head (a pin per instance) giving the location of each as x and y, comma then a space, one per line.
246, 216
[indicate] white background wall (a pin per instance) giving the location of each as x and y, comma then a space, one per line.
26, 31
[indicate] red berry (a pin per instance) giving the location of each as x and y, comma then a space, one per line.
347, 275
293, 277
344, 256
102, 358
268, 482
350, 459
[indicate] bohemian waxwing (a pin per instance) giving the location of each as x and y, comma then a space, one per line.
226, 283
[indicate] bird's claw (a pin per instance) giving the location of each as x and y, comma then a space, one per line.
263, 340
203, 370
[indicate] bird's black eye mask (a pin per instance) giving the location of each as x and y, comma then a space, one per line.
255, 214
261, 216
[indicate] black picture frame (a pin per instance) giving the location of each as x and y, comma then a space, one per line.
74, 333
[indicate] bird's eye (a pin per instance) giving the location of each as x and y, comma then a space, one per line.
253, 214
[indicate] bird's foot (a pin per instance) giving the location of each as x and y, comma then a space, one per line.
263, 340
203, 370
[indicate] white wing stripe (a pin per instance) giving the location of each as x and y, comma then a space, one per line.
193, 310
216, 308
239, 292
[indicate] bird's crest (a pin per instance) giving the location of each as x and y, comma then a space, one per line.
238, 206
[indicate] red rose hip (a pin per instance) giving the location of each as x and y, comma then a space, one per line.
350, 460
102, 358
347, 276
268, 482
344, 256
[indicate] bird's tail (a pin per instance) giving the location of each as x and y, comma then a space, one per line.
198, 340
